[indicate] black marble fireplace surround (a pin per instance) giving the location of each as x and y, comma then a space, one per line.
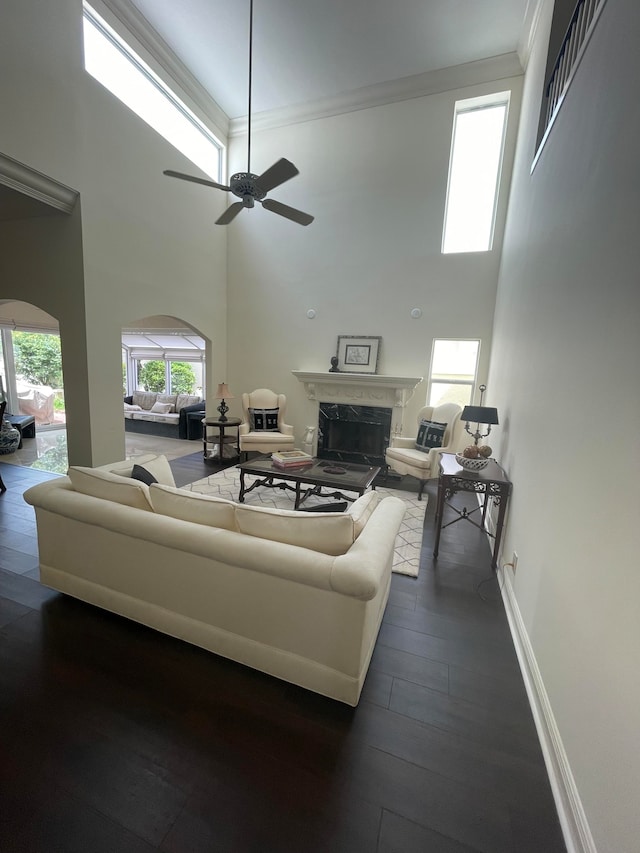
353, 433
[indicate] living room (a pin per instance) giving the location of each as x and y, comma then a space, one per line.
555, 305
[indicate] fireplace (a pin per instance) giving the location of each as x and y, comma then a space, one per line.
353, 433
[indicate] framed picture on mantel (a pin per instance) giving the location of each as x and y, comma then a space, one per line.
358, 354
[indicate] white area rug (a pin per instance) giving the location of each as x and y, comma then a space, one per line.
406, 559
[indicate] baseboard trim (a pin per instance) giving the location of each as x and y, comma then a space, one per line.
575, 827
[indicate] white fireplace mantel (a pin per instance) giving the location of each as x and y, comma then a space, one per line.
360, 388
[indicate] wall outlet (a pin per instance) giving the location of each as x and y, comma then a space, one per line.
514, 561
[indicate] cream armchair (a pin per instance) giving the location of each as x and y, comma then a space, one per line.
263, 428
403, 457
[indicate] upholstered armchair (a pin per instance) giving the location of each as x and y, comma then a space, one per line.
263, 428
404, 457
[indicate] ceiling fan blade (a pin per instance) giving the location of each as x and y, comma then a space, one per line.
277, 174
288, 212
184, 177
230, 213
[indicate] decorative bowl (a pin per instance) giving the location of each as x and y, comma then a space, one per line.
471, 464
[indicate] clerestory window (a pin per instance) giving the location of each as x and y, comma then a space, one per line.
115, 65
474, 173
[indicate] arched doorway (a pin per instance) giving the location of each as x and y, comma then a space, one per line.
31, 376
163, 354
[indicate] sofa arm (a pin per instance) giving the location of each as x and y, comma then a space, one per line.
182, 420
361, 572
129, 399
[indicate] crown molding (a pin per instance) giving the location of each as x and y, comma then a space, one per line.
403, 89
36, 185
530, 26
120, 14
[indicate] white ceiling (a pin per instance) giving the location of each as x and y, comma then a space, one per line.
308, 50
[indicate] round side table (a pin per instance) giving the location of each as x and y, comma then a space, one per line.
218, 437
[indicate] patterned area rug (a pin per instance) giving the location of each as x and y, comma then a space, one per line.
406, 559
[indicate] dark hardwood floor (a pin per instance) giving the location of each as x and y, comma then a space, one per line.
116, 738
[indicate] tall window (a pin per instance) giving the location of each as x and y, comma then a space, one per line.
452, 377
125, 75
474, 173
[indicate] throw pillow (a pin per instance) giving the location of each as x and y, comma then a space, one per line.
161, 408
99, 483
430, 434
159, 468
168, 398
263, 420
140, 473
129, 407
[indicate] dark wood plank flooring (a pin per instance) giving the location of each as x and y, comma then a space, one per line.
116, 738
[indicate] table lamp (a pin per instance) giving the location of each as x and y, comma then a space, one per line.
487, 415
222, 393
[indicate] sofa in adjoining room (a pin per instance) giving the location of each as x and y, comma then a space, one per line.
294, 594
163, 414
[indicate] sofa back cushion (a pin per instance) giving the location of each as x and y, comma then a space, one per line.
192, 506
99, 483
329, 533
144, 399
183, 400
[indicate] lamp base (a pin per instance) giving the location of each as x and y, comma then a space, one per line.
477, 435
223, 409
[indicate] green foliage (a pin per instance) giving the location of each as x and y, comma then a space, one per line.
151, 376
183, 379
38, 358
55, 459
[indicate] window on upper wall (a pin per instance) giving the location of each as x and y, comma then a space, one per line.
475, 165
114, 64
453, 371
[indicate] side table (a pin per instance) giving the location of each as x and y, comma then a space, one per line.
492, 482
209, 441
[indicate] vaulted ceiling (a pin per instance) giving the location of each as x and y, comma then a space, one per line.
309, 50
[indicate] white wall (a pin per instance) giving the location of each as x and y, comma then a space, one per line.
375, 180
144, 244
564, 375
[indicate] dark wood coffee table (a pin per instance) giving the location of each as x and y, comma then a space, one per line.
311, 480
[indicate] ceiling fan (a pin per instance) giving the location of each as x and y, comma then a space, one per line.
247, 186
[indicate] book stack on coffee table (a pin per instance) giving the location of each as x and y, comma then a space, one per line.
288, 460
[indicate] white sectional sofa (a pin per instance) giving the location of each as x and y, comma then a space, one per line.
297, 595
